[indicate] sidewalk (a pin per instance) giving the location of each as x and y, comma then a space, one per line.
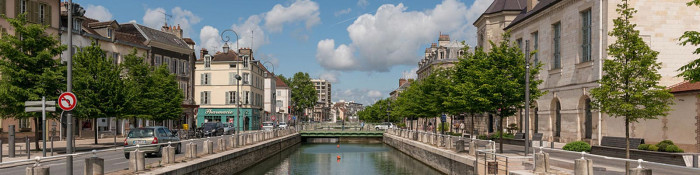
59, 147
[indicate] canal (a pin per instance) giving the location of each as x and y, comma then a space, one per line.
321, 158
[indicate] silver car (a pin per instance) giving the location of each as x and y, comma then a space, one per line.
228, 128
148, 136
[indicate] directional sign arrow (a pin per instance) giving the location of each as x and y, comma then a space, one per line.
38, 103
38, 109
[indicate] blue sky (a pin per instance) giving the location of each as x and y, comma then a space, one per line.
363, 46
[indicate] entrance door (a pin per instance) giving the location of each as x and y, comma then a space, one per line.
246, 124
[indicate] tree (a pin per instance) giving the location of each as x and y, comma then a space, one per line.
691, 71
303, 92
284, 79
500, 79
630, 89
137, 79
98, 84
464, 97
28, 68
168, 95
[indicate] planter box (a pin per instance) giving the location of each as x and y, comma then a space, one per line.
653, 156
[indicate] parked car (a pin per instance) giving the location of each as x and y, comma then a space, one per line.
149, 136
384, 126
268, 126
282, 125
228, 128
210, 129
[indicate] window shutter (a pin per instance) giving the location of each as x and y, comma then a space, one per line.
33, 9
2, 6
228, 97
208, 97
201, 79
17, 7
230, 78
201, 97
47, 15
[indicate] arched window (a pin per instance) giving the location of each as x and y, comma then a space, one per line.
557, 125
589, 119
537, 121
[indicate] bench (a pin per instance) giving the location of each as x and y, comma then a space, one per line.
519, 136
619, 142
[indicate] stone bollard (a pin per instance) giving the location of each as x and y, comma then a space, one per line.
232, 141
137, 161
168, 155
640, 171
37, 170
94, 166
208, 147
472, 148
459, 146
449, 142
221, 145
541, 162
583, 167
414, 135
191, 151
433, 140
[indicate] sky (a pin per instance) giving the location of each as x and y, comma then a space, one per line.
362, 46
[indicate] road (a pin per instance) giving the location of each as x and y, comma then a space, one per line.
114, 161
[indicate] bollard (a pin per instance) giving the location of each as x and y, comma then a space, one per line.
1, 151
221, 145
415, 135
37, 170
27, 148
137, 161
640, 171
168, 153
208, 147
11, 141
583, 167
94, 166
695, 159
472, 148
541, 162
459, 146
191, 151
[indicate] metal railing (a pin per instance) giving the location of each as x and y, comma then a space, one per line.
38, 160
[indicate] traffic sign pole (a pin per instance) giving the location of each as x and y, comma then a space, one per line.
43, 124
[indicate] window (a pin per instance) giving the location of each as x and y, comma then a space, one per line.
557, 114
519, 41
115, 58
158, 60
246, 77
42, 13
535, 39
557, 55
206, 98
442, 55
185, 67
24, 123
207, 61
206, 78
109, 32
22, 6
589, 119
231, 97
481, 40
586, 36
247, 100
3, 3
279, 92
245, 61
77, 26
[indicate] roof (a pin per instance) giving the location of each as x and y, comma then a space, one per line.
280, 83
524, 15
102, 24
506, 5
230, 56
444, 37
128, 32
162, 37
685, 87
189, 41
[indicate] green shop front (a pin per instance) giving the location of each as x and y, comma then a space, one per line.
249, 119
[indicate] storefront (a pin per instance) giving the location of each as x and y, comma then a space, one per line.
248, 120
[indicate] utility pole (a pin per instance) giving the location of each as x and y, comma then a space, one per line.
527, 96
69, 88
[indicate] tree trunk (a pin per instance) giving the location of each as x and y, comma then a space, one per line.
500, 130
96, 129
37, 129
472, 131
627, 145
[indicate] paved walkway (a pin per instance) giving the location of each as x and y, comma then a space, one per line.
59, 147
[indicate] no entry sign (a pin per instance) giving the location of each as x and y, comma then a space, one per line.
67, 101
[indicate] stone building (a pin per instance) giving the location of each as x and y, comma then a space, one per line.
403, 85
444, 53
216, 87
321, 111
570, 37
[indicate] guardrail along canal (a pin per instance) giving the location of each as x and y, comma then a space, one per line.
355, 158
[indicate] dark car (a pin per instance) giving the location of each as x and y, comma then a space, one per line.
212, 129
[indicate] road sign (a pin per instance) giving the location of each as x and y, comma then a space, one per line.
273, 118
294, 118
38, 103
443, 117
38, 109
41, 106
67, 101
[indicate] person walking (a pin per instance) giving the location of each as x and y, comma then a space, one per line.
362, 125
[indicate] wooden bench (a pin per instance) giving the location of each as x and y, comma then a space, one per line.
619, 142
519, 136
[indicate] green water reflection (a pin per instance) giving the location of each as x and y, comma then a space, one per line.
363, 159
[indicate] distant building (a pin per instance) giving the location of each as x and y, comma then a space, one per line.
443, 54
403, 84
270, 95
283, 100
343, 110
217, 89
321, 111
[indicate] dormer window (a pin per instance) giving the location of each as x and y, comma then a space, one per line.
207, 61
442, 55
76, 24
109, 32
245, 61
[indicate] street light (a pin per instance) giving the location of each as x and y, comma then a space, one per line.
225, 39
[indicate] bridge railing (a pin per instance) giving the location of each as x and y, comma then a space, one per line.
233, 140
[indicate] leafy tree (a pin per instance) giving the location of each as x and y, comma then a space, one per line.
630, 89
691, 71
464, 97
137, 79
152, 92
303, 92
28, 68
501, 80
98, 84
284, 79
168, 95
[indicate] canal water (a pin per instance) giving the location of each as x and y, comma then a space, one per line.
321, 158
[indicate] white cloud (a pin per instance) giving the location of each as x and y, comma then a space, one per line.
132, 21
362, 3
363, 96
99, 13
251, 35
410, 74
154, 18
331, 76
393, 36
301, 10
209, 39
342, 12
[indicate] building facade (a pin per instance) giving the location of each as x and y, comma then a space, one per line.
283, 100
270, 95
321, 111
222, 97
443, 54
570, 37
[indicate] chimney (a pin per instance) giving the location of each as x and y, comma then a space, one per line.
402, 81
203, 52
531, 4
178, 32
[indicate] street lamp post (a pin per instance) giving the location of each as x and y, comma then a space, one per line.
238, 72
527, 96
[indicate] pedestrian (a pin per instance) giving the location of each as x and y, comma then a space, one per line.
362, 125
461, 128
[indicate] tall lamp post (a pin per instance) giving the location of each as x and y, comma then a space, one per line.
238, 72
527, 96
